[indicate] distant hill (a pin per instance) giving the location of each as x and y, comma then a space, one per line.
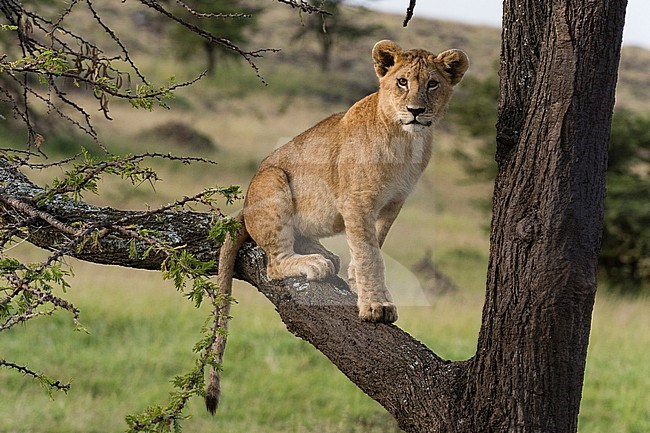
482, 43
634, 79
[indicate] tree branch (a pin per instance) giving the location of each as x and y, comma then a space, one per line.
385, 362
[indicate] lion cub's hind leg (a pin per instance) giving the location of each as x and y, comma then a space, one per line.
269, 215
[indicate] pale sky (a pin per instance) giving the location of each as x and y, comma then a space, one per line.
636, 32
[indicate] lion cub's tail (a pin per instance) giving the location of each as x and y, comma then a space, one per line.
227, 256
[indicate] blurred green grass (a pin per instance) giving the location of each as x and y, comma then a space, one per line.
142, 332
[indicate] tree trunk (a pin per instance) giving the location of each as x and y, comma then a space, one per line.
558, 75
559, 63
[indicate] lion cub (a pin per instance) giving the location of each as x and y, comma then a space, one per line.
350, 173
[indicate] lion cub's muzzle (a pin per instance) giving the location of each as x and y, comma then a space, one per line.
418, 117
415, 121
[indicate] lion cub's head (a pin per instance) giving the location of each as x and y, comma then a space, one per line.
415, 86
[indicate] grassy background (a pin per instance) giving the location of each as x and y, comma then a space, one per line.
142, 331
141, 334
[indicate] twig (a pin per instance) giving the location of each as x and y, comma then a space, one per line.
28, 372
33, 212
210, 15
305, 7
409, 13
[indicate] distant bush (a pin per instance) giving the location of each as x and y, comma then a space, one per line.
180, 136
625, 252
474, 110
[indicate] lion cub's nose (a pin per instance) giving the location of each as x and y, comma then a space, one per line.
416, 111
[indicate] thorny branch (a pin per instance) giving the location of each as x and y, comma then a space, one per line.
51, 50
35, 213
32, 290
209, 15
305, 6
28, 372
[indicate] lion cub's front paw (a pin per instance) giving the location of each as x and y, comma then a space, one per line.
385, 312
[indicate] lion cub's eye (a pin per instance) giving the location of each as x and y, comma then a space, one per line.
402, 82
433, 85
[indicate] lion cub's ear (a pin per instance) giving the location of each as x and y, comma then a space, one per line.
384, 54
454, 64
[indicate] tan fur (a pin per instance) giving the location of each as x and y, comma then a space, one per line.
350, 173
227, 256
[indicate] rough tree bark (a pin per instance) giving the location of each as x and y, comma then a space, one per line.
558, 74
